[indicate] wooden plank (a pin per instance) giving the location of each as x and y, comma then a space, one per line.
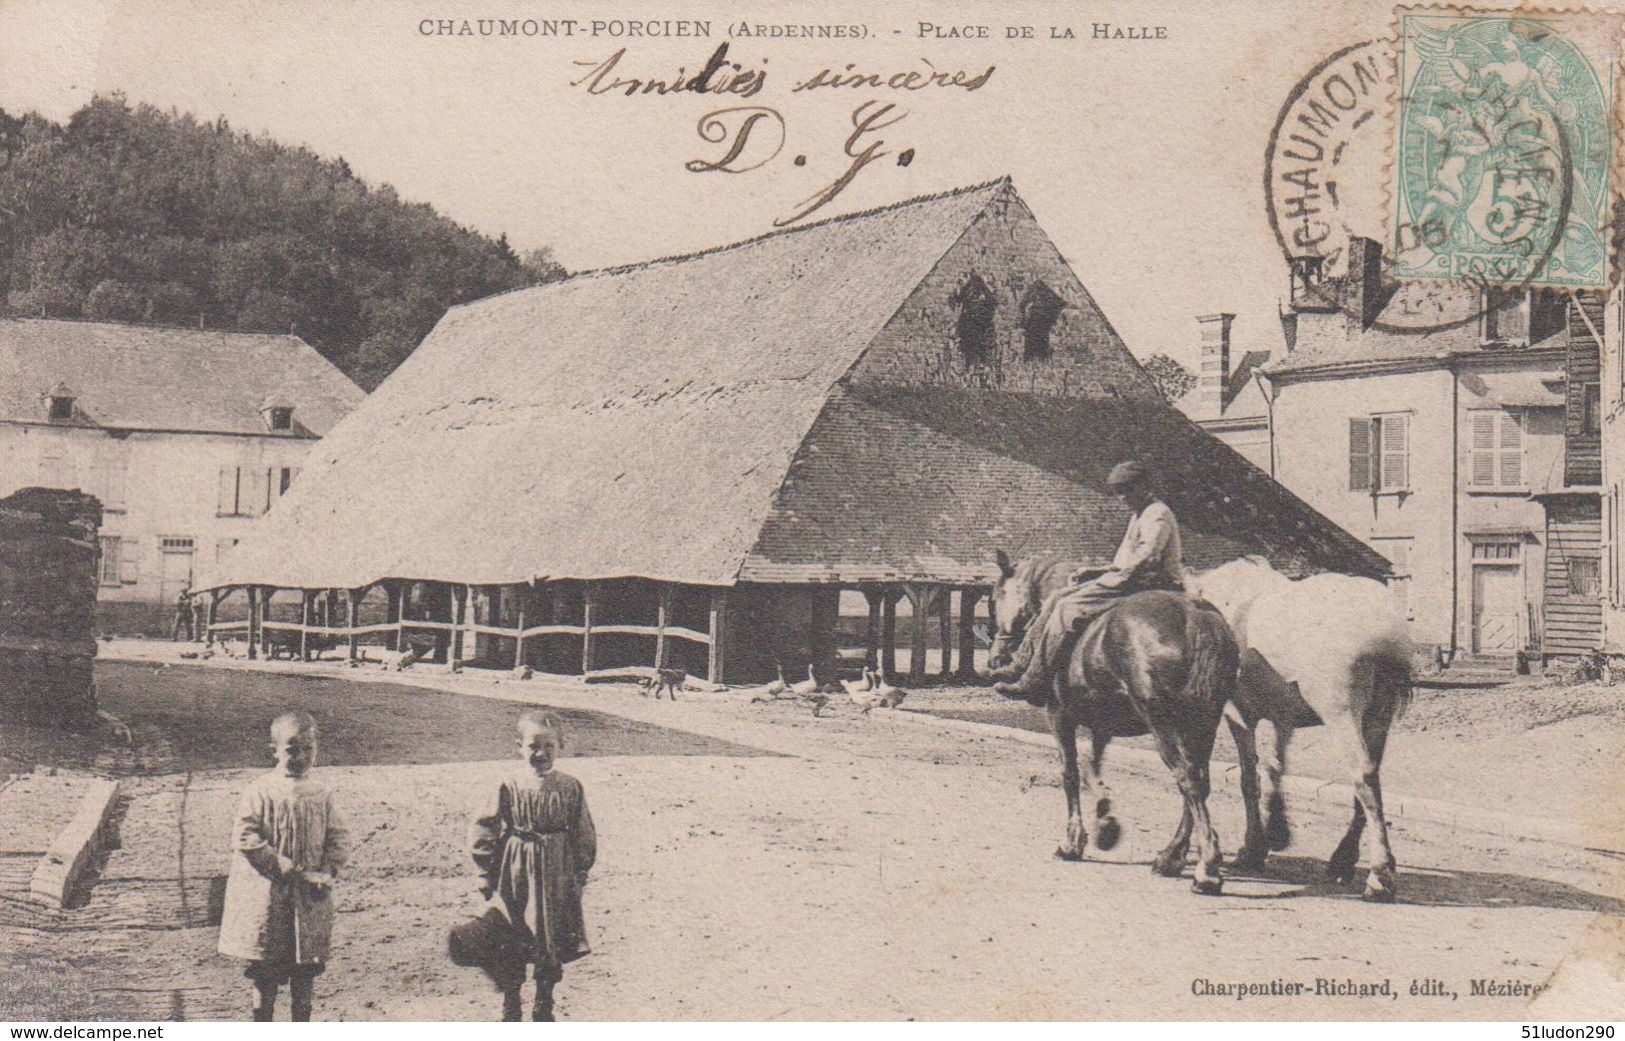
352, 614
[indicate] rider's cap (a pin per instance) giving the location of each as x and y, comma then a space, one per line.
1125, 473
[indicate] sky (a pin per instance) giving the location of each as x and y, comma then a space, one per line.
1142, 158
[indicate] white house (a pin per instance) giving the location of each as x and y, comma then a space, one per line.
184, 435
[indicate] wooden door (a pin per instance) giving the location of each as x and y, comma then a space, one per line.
1497, 609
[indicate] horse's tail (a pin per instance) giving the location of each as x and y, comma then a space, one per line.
1391, 687
1210, 651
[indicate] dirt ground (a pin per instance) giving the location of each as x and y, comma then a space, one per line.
757, 863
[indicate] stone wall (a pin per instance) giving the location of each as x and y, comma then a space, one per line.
1006, 252
48, 580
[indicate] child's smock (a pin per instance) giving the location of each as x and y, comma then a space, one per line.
282, 823
533, 842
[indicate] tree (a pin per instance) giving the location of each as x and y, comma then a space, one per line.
131, 213
1172, 379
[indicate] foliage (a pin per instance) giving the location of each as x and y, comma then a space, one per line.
134, 214
1172, 379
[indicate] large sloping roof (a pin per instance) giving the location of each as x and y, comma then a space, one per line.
916, 483
139, 377
637, 421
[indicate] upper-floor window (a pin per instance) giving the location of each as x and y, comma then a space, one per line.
1379, 453
280, 418
59, 403
1039, 313
1495, 449
1591, 410
976, 307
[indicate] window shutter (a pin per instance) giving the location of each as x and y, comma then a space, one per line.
1481, 472
1511, 450
1360, 454
251, 496
226, 503
1395, 452
130, 561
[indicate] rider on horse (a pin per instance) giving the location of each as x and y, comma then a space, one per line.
1149, 558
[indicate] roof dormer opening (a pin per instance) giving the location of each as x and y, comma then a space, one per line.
277, 411
1039, 312
975, 327
59, 403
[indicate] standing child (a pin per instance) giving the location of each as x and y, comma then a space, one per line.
289, 845
533, 843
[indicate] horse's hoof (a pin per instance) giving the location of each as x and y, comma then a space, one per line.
1250, 860
1373, 895
1107, 832
1341, 873
1277, 834
1168, 867
1070, 856
1208, 887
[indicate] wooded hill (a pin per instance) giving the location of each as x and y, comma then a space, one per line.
131, 214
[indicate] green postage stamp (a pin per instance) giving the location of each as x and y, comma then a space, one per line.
1504, 146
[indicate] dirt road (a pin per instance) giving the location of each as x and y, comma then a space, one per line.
768, 865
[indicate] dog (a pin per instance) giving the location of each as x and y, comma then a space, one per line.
667, 680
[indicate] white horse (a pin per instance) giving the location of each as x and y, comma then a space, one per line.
1329, 649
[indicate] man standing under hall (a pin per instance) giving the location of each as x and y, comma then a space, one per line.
1149, 558
183, 616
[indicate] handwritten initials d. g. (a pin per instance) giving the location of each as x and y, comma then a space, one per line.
737, 125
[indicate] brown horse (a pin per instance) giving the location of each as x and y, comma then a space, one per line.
1157, 663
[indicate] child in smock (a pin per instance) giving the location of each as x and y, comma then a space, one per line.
533, 843
288, 845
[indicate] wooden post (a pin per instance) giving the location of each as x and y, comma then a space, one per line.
589, 600
523, 592
460, 596
253, 622
213, 615
920, 595
663, 619
266, 593
352, 618
945, 612
968, 599
888, 633
871, 635
307, 600
401, 590
717, 660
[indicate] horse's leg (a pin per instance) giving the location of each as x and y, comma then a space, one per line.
1170, 862
1252, 853
1190, 774
1340, 868
1065, 727
1380, 884
1272, 754
1107, 830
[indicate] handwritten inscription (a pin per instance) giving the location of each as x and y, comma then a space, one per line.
742, 138
719, 76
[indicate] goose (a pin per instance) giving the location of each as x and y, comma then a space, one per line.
856, 687
806, 686
778, 686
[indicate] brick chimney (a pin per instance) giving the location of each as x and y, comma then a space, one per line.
1366, 295
1215, 370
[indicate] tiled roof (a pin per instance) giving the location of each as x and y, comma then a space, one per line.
153, 378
